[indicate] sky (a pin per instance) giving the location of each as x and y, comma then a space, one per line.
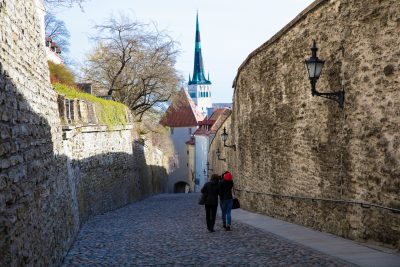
230, 30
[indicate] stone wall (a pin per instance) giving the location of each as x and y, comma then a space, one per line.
220, 166
56, 168
36, 220
293, 144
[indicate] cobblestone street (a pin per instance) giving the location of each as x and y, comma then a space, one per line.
170, 230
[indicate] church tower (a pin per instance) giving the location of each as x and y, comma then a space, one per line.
199, 88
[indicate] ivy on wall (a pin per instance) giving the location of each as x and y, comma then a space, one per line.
109, 112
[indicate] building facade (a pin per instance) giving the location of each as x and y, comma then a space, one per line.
182, 118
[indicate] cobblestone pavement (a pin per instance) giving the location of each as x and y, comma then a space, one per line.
170, 230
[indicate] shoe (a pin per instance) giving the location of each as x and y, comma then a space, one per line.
211, 231
224, 225
228, 228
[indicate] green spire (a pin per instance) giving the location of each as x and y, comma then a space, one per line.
198, 69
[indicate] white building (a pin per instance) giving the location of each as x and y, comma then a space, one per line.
182, 118
53, 51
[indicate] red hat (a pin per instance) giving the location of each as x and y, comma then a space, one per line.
227, 176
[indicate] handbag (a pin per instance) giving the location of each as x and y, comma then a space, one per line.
202, 199
236, 204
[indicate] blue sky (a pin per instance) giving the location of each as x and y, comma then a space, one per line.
230, 30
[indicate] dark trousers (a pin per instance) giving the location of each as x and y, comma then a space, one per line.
211, 212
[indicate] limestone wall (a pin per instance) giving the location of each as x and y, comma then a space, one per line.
36, 220
293, 144
220, 166
57, 168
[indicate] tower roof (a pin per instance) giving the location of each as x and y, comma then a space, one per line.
198, 68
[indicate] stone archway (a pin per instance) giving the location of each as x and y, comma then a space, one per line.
181, 187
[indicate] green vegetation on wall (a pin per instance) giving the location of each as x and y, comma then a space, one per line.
59, 73
109, 112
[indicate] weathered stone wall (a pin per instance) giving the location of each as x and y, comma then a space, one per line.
290, 143
36, 221
220, 166
55, 173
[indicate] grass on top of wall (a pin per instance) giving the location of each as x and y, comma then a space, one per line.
108, 112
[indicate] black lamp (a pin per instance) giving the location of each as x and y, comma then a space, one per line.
219, 154
224, 137
314, 67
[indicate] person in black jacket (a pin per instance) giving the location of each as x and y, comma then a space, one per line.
226, 199
211, 203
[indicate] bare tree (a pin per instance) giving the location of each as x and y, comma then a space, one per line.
57, 30
63, 3
134, 64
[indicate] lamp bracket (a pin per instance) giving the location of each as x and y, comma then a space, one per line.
221, 159
335, 96
230, 146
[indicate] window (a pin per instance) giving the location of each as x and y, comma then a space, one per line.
190, 131
172, 130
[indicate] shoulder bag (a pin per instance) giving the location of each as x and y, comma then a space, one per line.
202, 199
236, 204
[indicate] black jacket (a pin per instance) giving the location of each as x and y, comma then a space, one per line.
211, 189
225, 190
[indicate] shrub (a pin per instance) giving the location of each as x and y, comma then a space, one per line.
59, 73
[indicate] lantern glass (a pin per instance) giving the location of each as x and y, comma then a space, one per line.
224, 136
314, 67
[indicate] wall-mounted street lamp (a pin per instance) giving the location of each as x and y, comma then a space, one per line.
208, 166
224, 137
219, 154
314, 67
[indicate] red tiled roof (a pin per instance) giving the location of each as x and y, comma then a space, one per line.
221, 115
215, 121
182, 112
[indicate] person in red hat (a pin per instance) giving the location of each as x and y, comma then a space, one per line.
226, 199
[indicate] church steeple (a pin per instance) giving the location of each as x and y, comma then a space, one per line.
198, 68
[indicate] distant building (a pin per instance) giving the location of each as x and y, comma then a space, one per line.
199, 88
203, 137
222, 105
182, 118
191, 131
53, 51
85, 87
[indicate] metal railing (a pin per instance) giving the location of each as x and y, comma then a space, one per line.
340, 201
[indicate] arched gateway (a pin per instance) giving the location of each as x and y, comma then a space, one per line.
181, 187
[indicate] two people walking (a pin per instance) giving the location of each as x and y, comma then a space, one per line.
224, 189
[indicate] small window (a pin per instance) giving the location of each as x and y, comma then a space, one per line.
172, 130
187, 152
190, 131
